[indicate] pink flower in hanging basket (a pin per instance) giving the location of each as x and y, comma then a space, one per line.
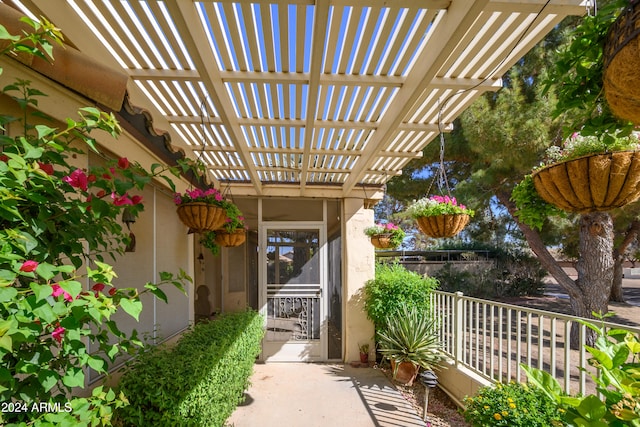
210, 196
437, 205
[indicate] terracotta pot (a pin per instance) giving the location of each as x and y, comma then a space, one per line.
226, 239
381, 241
621, 61
406, 372
439, 226
364, 358
201, 217
599, 182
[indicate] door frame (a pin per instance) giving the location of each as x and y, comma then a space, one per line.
323, 261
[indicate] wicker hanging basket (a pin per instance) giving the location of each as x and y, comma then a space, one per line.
599, 182
201, 217
621, 61
382, 241
235, 238
439, 226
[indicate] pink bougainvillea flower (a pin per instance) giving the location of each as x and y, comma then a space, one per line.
58, 334
121, 200
123, 163
177, 198
136, 200
46, 167
29, 266
77, 179
57, 291
98, 287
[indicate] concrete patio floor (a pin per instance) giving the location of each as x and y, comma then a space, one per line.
314, 394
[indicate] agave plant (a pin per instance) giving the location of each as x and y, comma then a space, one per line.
410, 335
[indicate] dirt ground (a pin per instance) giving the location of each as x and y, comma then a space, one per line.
556, 300
443, 412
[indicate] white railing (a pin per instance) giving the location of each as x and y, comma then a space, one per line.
492, 340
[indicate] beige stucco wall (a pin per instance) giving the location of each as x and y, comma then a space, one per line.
359, 266
459, 382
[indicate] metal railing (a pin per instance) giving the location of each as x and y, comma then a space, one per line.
492, 339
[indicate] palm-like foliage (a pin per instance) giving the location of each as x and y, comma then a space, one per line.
410, 335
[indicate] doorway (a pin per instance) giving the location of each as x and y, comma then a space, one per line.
292, 291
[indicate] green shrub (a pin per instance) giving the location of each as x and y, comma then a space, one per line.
512, 405
393, 287
199, 381
515, 274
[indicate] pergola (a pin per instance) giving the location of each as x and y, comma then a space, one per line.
304, 98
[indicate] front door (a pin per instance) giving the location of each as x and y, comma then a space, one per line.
292, 287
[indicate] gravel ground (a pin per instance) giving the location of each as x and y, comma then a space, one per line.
441, 412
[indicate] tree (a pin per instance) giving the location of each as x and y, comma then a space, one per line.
502, 136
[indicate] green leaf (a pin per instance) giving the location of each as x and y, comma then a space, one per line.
31, 152
97, 363
5, 35
7, 294
48, 379
46, 271
156, 291
544, 381
72, 286
41, 291
44, 131
591, 408
7, 277
600, 356
45, 312
6, 342
74, 377
132, 306
113, 351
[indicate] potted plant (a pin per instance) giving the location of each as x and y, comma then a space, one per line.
409, 339
385, 235
201, 210
440, 216
364, 352
590, 173
234, 231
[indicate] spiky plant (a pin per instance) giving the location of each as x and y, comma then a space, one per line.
410, 335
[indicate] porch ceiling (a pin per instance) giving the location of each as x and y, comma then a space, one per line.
304, 97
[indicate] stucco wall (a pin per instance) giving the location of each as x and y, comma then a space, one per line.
359, 266
459, 382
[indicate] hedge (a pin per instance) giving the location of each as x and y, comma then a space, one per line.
199, 381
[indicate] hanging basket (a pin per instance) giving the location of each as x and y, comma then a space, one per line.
201, 217
621, 60
599, 182
439, 226
382, 241
235, 238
